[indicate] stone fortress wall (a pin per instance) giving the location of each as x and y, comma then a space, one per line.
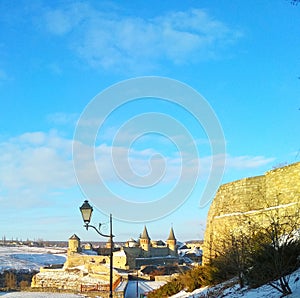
251, 198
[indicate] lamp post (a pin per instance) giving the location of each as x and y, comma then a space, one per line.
86, 211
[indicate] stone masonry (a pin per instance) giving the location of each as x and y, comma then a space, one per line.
251, 198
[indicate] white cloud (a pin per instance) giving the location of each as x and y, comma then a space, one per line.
58, 22
114, 41
166, 168
247, 162
63, 118
62, 21
33, 164
132, 165
34, 138
37, 165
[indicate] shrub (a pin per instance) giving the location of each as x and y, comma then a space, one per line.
193, 279
167, 290
270, 263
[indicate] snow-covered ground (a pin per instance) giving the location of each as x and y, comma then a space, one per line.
38, 295
29, 258
235, 292
32, 258
134, 288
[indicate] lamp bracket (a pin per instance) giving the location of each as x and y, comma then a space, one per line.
98, 230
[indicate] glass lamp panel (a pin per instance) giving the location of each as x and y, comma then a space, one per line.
86, 211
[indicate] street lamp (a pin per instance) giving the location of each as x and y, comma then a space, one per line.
86, 211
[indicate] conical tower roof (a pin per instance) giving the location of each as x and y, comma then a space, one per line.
145, 234
171, 235
75, 237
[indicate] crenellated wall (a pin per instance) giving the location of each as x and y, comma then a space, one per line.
238, 202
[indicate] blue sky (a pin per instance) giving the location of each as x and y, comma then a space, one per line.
55, 57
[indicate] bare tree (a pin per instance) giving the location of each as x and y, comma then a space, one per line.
260, 246
231, 250
277, 248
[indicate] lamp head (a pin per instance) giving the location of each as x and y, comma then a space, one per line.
86, 211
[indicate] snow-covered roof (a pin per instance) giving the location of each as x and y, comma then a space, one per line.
120, 253
131, 240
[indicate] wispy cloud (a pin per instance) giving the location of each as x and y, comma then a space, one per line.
236, 163
113, 41
33, 165
60, 118
247, 162
37, 165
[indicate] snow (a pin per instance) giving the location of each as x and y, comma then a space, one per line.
119, 253
122, 286
235, 292
154, 258
141, 287
29, 258
38, 295
186, 251
256, 211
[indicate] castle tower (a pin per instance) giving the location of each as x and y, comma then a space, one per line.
74, 244
145, 241
171, 243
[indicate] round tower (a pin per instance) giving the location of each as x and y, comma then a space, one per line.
145, 241
171, 243
74, 244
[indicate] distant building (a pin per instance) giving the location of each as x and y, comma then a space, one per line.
86, 266
83, 270
145, 251
74, 245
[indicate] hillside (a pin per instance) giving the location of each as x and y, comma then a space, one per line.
29, 258
231, 289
